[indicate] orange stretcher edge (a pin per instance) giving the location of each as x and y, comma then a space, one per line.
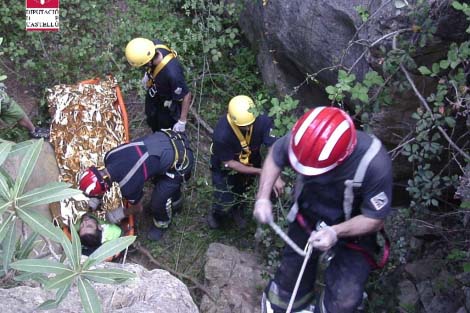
127, 224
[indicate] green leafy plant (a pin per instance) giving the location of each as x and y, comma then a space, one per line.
465, 8
17, 205
437, 116
363, 12
73, 271
281, 111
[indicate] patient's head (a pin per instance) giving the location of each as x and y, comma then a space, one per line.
90, 231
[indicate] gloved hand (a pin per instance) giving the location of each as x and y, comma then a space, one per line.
115, 216
180, 126
94, 203
323, 239
145, 80
263, 211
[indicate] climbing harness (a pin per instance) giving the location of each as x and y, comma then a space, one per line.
182, 161
180, 164
153, 74
358, 179
245, 154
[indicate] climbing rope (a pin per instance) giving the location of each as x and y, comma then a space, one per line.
286, 238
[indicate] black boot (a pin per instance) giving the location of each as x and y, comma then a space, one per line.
155, 233
238, 216
214, 220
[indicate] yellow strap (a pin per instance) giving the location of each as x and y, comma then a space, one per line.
244, 141
162, 64
185, 161
167, 49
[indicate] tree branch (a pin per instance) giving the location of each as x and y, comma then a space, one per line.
201, 121
426, 106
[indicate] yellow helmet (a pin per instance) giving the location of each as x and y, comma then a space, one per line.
139, 51
238, 110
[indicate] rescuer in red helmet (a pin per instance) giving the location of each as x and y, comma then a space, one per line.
344, 184
163, 157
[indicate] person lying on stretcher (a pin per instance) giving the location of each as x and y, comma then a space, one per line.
94, 231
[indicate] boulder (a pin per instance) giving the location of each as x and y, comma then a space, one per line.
235, 280
295, 38
408, 296
423, 269
155, 291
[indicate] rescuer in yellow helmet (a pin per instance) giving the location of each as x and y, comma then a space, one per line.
168, 97
236, 159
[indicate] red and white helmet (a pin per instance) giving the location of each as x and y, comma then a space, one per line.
92, 183
321, 139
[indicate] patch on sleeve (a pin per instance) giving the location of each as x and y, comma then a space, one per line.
379, 201
178, 90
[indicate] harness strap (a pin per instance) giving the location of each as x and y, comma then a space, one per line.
166, 59
369, 258
299, 184
245, 141
349, 184
181, 162
372, 262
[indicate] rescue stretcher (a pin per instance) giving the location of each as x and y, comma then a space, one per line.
88, 119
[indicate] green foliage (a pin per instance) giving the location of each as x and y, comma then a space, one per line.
280, 111
93, 35
358, 92
465, 8
17, 205
363, 12
448, 103
216, 24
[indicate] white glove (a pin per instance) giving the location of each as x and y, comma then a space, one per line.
145, 80
115, 216
179, 127
94, 203
263, 211
323, 239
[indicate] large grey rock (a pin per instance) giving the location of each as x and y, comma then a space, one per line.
423, 269
299, 37
408, 294
426, 293
442, 303
153, 291
235, 281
